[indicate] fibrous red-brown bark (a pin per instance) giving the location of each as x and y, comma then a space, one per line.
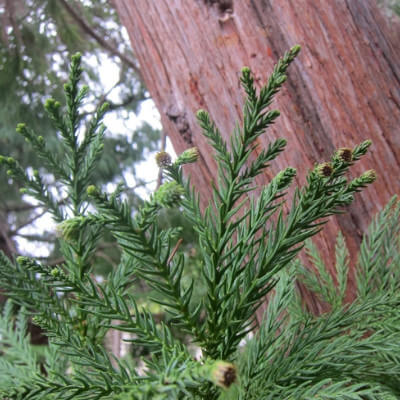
343, 88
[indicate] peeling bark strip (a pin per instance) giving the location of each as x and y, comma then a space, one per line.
343, 88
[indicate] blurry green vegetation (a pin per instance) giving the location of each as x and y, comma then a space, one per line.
36, 40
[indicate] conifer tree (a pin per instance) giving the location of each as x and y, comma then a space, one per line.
248, 248
36, 38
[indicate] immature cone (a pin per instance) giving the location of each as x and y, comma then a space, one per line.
92, 190
163, 159
169, 194
189, 156
285, 177
345, 154
223, 374
69, 229
295, 50
246, 71
369, 176
20, 127
325, 169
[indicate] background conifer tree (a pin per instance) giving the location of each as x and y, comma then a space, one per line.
37, 37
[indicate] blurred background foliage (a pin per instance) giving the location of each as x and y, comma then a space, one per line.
36, 41
390, 7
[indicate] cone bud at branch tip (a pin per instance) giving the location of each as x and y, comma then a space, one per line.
7, 160
345, 154
189, 156
76, 58
69, 229
369, 176
367, 143
92, 190
295, 49
201, 114
104, 107
20, 127
362, 148
223, 374
246, 71
51, 104
285, 177
22, 260
325, 169
169, 194
163, 159
55, 272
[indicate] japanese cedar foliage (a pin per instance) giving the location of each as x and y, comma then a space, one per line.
247, 246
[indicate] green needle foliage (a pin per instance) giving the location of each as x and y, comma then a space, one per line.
247, 247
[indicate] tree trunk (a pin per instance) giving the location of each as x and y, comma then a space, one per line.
341, 90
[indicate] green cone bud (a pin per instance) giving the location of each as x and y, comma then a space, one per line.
20, 127
245, 70
369, 176
69, 229
189, 156
295, 50
22, 260
285, 177
76, 58
201, 114
169, 194
92, 190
